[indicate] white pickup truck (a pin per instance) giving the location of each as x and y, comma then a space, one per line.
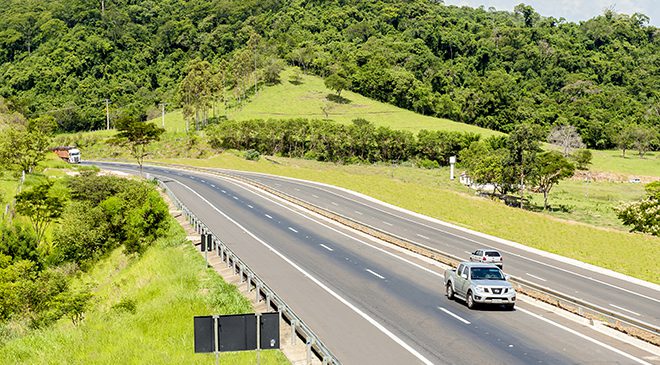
479, 283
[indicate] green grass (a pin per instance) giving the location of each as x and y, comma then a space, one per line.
432, 195
169, 285
646, 168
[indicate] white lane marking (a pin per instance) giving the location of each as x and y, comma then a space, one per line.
455, 315
335, 204
422, 236
536, 277
266, 196
388, 223
235, 197
585, 337
297, 189
292, 230
267, 216
202, 180
362, 314
326, 188
375, 274
224, 192
468, 252
326, 247
213, 185
314, 195
251, 207
624, 309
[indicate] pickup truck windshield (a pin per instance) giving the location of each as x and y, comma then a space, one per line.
486, 273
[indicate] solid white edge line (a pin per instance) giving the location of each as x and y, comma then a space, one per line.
585, 337
624, 309
566, 260
536, 277
375, 274
455, 315
317, 282
326, 247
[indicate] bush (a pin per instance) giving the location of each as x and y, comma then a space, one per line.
126, 305
427, 164
252, 155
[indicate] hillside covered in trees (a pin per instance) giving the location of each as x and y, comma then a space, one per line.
489, 68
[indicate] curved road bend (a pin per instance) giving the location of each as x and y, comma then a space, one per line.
371, 305
641, 302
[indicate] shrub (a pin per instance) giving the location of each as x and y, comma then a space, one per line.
252, 155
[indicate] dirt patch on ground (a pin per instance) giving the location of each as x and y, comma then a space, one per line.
612, 177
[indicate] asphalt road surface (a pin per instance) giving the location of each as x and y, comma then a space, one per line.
372, 304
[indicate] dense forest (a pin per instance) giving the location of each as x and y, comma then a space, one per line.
490, 68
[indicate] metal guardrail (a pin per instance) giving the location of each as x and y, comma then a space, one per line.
621, 322
312, 342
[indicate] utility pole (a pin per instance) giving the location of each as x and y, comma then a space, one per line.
107, 113
162, 109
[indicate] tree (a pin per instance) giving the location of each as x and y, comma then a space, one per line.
337, 83
643, 215
196, 90
137, 135
523, 145
582, 158
566, 137
23, 146
624, 139
40, 206
550, 168
643, 137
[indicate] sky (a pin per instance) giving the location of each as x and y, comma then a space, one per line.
573, 10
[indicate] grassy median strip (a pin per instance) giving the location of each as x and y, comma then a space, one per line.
630, 254
142, 313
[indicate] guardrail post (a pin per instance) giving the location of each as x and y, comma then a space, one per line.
257, 296
293, 331
310, 342
240, 272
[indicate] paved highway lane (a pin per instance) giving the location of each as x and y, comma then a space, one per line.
637, 301
368, 304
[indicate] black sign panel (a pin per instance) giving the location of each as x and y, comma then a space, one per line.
237, 332
202, 245
270, 331
204, 334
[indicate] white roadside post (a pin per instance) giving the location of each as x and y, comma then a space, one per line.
452, 162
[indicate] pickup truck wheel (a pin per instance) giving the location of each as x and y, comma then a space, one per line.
470, 300
450, 292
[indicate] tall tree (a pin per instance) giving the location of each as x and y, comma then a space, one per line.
40, 206
550, 168
566, 137
137, 136
523, 145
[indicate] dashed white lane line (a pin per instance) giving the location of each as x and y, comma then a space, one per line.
455, 316
468, 252
422, 236
388, 223
314, 195
358, 212
297, 189
202, 180
333, 203
624, 309
249, 206
326, 247
223, 191
213, 186
267, 216
292, 230
536, 277
375, 274
235, 198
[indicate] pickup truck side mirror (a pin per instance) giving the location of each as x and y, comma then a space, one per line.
464, 276
507, 277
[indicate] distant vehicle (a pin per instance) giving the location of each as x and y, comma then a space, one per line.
487, 256
69, 154
479, 283
635, 180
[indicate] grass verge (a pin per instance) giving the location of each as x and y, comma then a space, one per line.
142, 313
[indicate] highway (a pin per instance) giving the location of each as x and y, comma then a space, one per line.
373, 304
